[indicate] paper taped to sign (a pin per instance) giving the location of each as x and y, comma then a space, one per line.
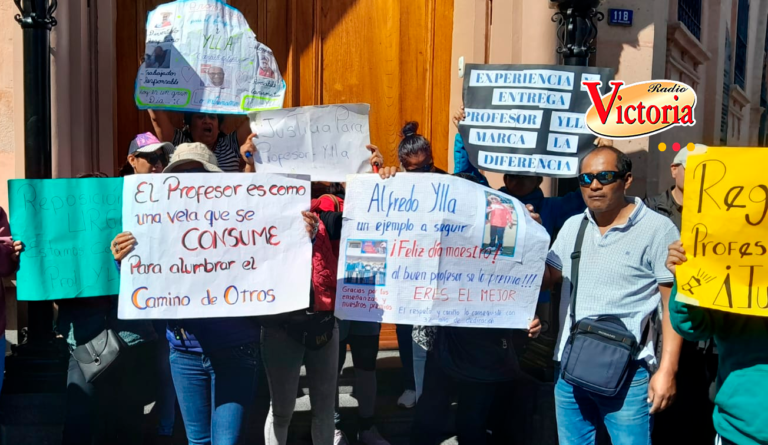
201, 55
326, 142
528, 119
430, 249
215, 245
66, 226
724, 229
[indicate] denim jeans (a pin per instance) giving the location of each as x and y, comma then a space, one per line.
165, 402
497, 236
626, 415
214, 392
404, 345
283, 357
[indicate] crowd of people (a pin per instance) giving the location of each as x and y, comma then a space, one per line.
613, 254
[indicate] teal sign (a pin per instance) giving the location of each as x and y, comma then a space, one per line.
66, 226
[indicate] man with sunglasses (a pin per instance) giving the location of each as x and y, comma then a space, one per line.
621, 273
147, 154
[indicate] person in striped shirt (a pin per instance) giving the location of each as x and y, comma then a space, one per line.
206, 129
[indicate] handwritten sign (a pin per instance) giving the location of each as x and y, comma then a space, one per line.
66, 226
725, 231
432, 249
215, 245
201, 55
528, 119
326, 142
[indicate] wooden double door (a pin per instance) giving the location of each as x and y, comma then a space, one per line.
392, 54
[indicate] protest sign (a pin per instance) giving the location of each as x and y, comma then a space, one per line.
202, 56
66, 226
431, 249
215, 245
528, 119
326, 142
725, 230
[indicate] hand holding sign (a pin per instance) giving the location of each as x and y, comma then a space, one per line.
527, 119
676, 256
63, 229
326, 142
122, 245
202, 56
724, 226
248, 149
409, 255
18, 246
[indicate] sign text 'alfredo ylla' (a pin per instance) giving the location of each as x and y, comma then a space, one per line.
433, 249
214, 245
528, 119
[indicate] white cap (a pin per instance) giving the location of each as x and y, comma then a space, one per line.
196, 152
682, 156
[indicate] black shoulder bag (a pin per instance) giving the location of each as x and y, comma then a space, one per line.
98, 356
600, 350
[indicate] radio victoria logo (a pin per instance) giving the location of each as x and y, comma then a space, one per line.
640, 109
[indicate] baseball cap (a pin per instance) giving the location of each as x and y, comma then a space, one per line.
148, 143
682, 156
193, 152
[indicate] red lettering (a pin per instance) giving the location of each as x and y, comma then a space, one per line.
650, 118
184, 239
640, 108
594, 94
687, 117
626, 114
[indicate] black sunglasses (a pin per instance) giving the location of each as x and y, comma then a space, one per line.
153, 158
426, 168
604, 178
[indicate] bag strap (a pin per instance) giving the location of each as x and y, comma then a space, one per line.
575, 260
646, 331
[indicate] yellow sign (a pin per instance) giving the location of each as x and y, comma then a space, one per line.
725, 231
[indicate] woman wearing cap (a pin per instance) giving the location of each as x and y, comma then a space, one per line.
204, 128
213, 409
147, 154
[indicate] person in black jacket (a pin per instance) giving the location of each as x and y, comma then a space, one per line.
474, 363
697, 365
670, 203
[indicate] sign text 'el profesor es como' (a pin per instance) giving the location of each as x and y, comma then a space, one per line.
640, 109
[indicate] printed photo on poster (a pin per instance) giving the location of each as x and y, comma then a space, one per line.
160, 56
214, 76
265, 65
366, 262
164, 20
500, 225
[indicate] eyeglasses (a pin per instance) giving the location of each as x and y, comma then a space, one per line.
153, 158
604, 178
426, 168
